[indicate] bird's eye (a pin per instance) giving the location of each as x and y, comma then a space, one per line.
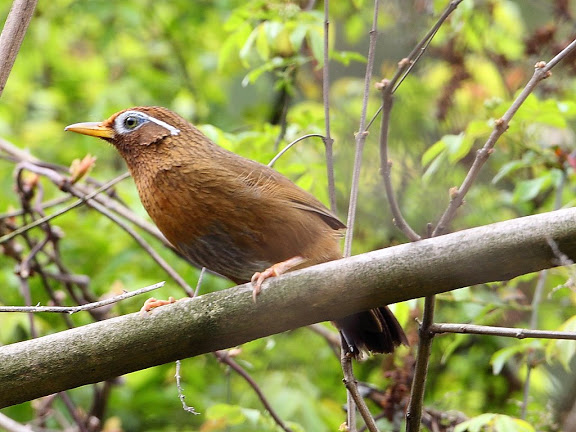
131, 122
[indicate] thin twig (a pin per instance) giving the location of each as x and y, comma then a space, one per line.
406, 64
181, 395
11, 425
82, 200
62, 182
345, 361
289, 146
73, 411
84, 307
43, 206
224, 357
353, 393
518, 333
200, 280
328, 141
386, 165
541, 72
361, 135
110, 202
12, 36
414, 411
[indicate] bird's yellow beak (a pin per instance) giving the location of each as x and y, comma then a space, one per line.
95, 129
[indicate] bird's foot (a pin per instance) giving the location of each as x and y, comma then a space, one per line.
273, 271
153, 303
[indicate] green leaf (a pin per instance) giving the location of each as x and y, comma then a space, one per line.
500, 357
262, 41
508, 168
316, 41
231, 414
563, 351
297, 36
475, 424
490, 422
457, 146
246, 50
433, 151
504, 423
528, 189
345, 57
432, 168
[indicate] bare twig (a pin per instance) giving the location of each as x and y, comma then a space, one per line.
73, 411
62, 182
83, 199
351, 384
349, 380
12, 36
85, 307
541, 72
406, 64
224, 357
328, 141
361, 135
386, 165
388, 88
43, 206
10, 425
289, 146
414, 411
200, 280
181, 395
518, 333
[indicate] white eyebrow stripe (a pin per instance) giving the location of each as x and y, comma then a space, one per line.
172, 129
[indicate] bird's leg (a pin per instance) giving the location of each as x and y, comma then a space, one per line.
153, 303
272, 271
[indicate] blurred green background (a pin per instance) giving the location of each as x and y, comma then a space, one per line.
242, 70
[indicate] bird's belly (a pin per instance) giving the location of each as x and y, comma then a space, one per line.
219, 253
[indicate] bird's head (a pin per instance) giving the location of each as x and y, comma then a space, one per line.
132, 128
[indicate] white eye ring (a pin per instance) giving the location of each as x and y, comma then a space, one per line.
142, 118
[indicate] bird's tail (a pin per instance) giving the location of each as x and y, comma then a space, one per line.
375, 330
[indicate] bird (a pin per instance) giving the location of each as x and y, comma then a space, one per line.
232, 215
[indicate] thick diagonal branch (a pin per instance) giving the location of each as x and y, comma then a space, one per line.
219, 320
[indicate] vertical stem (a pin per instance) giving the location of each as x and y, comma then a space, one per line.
361, 136
360, 140
328, 141
414, 412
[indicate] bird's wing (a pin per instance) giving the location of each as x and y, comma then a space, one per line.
273, 185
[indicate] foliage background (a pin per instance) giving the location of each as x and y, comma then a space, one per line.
232, 67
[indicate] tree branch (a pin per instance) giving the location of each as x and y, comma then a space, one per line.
214, 321
12, 36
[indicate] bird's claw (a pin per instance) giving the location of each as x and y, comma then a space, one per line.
259, 277
275, 270
153, 303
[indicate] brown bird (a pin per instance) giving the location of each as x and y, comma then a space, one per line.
232, 215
